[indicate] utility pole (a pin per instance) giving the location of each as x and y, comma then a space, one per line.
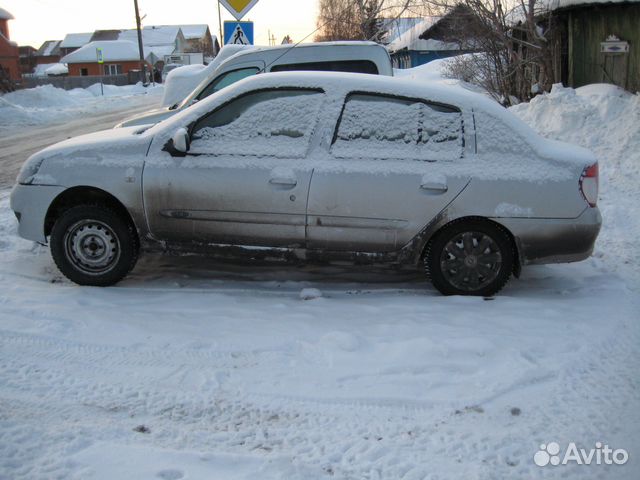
220, 25
143, 65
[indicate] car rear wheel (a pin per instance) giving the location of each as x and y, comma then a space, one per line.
470, 257
92, 245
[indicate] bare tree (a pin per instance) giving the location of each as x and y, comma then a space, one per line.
515, 42
359, 19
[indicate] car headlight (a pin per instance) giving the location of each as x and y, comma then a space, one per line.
29, 170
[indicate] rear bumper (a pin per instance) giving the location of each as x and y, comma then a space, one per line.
543, 241
31, 203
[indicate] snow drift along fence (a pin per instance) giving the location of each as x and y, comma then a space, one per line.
69, 83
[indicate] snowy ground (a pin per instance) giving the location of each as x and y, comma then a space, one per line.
191, 369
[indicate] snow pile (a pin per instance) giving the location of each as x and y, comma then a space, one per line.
46, 69
182, 81
57, 69
48, 104
606, 120
310, 294
431, 71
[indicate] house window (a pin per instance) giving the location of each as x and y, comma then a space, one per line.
84, 72
113, 69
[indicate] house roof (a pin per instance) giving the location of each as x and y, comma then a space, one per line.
411, 39
112, 51
152, 36
191, 32
395, 27
105, 35
76, 40
49, 48
4, 15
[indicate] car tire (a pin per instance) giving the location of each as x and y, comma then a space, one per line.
93, 245
470, 257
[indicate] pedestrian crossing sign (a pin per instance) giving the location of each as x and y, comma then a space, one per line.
238, 33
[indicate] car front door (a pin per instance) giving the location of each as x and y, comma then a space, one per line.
243, 181
384, 176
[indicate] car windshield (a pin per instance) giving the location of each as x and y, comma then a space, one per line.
222, 81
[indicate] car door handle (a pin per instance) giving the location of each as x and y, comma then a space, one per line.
286, 182
435, 187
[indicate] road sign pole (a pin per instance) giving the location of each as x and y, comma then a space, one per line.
100, 58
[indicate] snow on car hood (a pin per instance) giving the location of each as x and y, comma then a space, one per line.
120, 147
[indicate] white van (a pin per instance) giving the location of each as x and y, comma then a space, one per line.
353, 57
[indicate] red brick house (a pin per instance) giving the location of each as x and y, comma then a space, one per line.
119, 56
9, 55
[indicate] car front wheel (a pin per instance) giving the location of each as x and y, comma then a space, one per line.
470, 257
92, 245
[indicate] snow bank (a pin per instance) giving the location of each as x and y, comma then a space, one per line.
48, 104
606, 120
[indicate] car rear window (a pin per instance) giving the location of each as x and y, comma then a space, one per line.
350, 66
380, 126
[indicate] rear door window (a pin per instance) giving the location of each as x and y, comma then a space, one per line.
276, 123
352, 66
387, 127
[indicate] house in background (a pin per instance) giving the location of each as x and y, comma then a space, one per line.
198, 39
159, 41
410, 49
599, 42
74, 41
119, 56
27, 59
48, 53
9, 54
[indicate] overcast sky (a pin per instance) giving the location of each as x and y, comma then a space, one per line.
39, 20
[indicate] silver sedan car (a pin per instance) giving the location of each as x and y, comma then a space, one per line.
328, 167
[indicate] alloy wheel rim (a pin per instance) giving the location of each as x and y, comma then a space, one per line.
92, 247
470, 261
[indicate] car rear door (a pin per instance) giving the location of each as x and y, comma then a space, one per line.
243, 181
385, 175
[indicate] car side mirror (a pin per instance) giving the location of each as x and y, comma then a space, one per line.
180, 140
178, 145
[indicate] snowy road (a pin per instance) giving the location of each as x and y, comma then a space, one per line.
17, 144
192, 369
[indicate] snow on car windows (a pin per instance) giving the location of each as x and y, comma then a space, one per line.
387, 127
272, 123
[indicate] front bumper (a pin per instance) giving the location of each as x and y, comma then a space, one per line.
555, 240
31, 203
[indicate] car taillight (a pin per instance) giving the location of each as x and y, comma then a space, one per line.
589, 184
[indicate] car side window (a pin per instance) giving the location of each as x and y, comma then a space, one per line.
387, 127
352, 66
276, 123
227, 79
